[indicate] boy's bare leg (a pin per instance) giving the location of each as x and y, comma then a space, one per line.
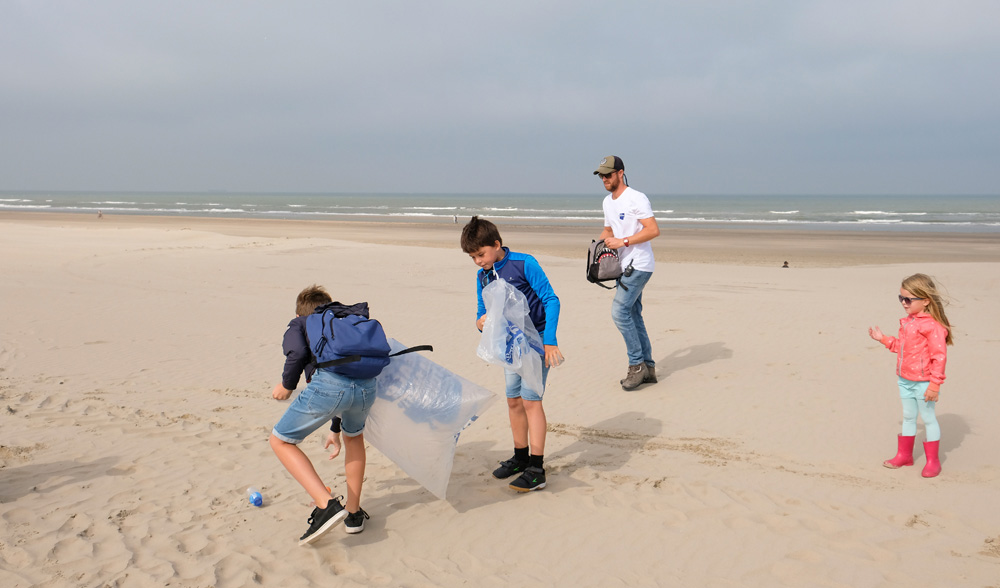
299, 466
354, 467
518, 421
536, 425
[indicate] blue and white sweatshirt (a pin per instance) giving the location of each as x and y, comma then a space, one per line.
523, 272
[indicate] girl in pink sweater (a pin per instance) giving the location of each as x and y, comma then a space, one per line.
921, 353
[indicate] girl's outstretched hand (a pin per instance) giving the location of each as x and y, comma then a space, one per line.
875, 333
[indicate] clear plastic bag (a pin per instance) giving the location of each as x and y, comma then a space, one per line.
509, 337
419, 411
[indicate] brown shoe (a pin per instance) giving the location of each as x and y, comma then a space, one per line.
650, 375
636, 374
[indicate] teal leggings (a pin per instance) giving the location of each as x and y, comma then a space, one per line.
912, 395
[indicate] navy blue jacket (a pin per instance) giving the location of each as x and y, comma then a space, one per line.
298, 359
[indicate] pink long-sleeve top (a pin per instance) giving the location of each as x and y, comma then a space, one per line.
921, 352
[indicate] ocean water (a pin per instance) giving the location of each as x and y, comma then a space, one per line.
952, 213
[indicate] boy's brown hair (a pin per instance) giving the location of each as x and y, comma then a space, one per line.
310, 298
479, 233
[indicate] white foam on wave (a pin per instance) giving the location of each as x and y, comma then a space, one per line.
886, 213
23, 206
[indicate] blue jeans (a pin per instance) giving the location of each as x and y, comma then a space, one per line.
326, 396
626, 310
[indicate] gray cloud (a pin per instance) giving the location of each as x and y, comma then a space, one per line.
723, 97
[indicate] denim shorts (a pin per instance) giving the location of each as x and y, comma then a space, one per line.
326, 396
515, 388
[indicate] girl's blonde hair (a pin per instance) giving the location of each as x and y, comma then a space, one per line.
922, 286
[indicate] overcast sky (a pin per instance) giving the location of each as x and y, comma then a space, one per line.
737, 97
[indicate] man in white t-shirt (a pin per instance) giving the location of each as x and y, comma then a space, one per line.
629, 226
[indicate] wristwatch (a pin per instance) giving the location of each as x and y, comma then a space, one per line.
625, 241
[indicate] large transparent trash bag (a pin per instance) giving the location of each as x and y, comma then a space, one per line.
509, 337
419, 411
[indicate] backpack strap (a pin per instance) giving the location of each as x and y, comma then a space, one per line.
353, 358
618, 284
589, 261
412, 349
341, 361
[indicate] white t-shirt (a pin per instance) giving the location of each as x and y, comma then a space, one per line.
622, 214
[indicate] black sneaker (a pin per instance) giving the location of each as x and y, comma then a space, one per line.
509, 468
322, 520
531, 479
355, 521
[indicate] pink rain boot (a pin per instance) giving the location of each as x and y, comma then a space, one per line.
904, 453
933, 466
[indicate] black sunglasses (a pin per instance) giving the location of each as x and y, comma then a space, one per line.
906, 300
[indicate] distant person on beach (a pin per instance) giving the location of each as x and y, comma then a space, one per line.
327, 395
100, 214
481, 240
629, 226
785, 265
921, 353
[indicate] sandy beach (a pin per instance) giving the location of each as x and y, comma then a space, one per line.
137, 356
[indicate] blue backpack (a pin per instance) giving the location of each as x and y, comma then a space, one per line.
344, 340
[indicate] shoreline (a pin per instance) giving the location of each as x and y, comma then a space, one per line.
756, 247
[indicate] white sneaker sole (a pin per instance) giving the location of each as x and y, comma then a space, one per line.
334, 520
354, 530
538, 487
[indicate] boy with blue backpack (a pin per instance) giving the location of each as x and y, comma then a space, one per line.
327, 395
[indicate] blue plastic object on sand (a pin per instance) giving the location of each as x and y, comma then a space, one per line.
254, 496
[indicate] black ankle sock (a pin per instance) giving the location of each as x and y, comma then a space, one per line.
535, 461
521, 454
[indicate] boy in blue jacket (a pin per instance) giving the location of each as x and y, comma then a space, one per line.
481, 240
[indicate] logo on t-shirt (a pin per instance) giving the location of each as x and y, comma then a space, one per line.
621, 216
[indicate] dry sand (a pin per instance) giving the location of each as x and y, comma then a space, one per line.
137, 357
